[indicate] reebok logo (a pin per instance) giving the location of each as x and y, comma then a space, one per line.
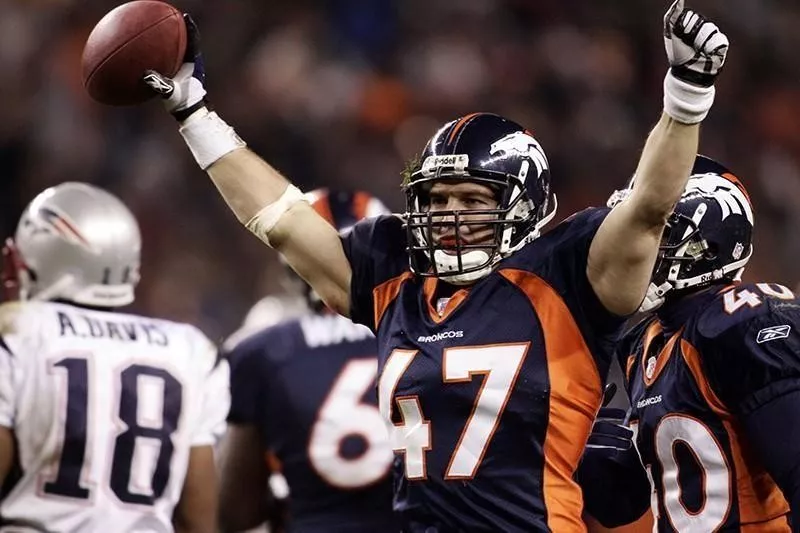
772, 333
648, 401
436, 337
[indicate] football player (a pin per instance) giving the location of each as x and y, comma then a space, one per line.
713, 377
303, 395
494, 339
110, 417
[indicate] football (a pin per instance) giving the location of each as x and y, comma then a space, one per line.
129, 40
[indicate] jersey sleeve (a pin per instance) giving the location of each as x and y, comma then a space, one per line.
757, 358
626, 350
7, 392
19, 339
773, 431
214, 395
247, 362
376, 250
567, 254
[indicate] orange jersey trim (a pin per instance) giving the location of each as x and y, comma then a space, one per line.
429, 291
762, 506
575, 395
663, 356
384, 294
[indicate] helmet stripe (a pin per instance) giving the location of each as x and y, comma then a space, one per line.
459, 126
64, 227
739, 184
360, 204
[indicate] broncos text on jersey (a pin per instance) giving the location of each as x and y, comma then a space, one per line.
693, 370
491, 394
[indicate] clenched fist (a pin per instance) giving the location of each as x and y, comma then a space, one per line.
696, 47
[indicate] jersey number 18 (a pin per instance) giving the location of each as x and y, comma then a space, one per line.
78, 426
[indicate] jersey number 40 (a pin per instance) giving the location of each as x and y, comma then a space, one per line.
68, 482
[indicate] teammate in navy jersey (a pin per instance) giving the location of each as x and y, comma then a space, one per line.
713, 378
494, 340
303, 395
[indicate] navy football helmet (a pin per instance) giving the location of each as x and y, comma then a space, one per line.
493, 151
708, 237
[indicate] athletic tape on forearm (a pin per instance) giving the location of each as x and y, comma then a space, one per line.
685, 102
266, 219
209, 137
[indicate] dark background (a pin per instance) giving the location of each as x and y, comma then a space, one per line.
340, 92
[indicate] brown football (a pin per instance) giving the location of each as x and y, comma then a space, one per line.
130, 39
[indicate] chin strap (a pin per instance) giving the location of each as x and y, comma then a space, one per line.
654, 298
449, 263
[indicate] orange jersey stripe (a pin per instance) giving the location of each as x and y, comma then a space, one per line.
575, 395
629, 367
642, 525
762, 506
429, 290
384, 294
662, 358
273, 463
692, 358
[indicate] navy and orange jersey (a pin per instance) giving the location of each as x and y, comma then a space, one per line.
309, 385
696, 372
492, 395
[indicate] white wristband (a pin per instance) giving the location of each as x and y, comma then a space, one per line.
266, 219
685, 102
209, 137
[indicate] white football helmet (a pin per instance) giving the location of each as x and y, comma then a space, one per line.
78, 243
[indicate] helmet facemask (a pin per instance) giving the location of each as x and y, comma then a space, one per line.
514, 223
707, 238
687, 260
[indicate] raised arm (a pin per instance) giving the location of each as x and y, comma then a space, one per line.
262, 199
624, 251
270, 207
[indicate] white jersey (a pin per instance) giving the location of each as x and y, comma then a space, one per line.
105, 408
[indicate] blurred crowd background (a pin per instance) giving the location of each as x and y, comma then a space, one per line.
340, 92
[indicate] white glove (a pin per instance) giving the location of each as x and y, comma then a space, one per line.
696, 49
184, 93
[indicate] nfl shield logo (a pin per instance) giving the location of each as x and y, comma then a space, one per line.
651, 367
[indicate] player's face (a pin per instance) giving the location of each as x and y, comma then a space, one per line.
462, 196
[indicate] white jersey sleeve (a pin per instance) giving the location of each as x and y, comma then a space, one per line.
11, 368
6, 387
211, 424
